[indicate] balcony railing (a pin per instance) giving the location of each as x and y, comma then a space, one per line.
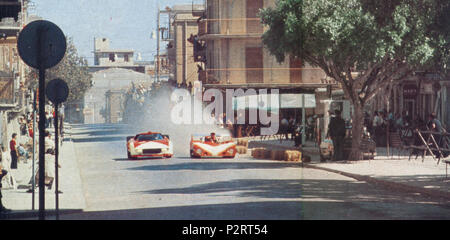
232, 26
307, 75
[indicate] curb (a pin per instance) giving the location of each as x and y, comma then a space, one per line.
25, 214
390, 184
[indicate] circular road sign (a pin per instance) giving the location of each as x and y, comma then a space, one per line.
41, 42
57, 91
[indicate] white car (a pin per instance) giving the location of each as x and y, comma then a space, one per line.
149, 144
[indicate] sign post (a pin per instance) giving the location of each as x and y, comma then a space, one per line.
41, 45
57, 92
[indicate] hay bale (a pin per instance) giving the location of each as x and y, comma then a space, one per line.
242, 142
266, 154
257, 152
293, 156
241, 149
277, 155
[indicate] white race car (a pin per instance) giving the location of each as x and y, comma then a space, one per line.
149, 144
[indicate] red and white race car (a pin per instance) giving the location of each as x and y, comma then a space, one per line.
149, 144
212, 146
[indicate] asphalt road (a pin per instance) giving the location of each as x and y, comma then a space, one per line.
182, 188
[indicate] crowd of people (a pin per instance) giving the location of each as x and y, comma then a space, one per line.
381, 122
20, 149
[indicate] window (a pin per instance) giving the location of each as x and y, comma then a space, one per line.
252, 11
295, 72
112, 57
254, 64
150, 137
126, 58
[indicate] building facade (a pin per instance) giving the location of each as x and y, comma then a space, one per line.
14, 95
235, 53
106, 57
232, 55
177, 31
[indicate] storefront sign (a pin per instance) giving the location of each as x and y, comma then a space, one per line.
410, 91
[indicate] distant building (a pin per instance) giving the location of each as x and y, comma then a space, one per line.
109, 83
114, 71
105, 57
182, 25
114, 106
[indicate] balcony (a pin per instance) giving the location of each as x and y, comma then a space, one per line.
272, 76
230, 28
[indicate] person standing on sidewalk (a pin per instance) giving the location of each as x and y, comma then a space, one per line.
9, 179
3, 173
337, 134
13, 149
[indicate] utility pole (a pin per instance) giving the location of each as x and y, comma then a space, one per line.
157, 47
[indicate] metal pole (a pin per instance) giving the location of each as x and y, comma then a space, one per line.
41, 130
157, 48
56, 162
34, 153
303, 120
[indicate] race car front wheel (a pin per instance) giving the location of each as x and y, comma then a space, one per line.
129, 156
192, 154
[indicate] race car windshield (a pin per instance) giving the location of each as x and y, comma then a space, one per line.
150, 137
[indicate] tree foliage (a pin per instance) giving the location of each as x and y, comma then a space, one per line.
73, 69
381, 41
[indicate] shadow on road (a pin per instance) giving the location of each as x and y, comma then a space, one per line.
100, 139
289, 210
207, 166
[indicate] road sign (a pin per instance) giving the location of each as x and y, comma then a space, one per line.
47, 37
57, 91
41, 45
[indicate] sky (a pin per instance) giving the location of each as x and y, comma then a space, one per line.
127, 23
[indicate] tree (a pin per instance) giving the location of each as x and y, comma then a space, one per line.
73, 69
364, 45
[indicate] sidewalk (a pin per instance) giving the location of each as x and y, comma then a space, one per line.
71, 200
397, 172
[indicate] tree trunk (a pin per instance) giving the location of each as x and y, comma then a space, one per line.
357, 131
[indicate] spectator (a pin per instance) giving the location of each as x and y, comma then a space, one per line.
47, 119
376, 126
30, 130
310, 127
284, 127
220, 122
9, 179
337, 134
49, 143
13, 151
437, 124
49, 170
3, 173
291, 127
367, 122
23, 152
